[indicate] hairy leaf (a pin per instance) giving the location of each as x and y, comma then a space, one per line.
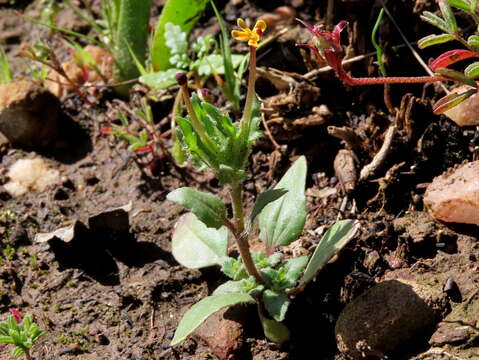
434, 40
196, 246
472, 70
460, 4
282, 220
331, 243
449, 17
276, 303
435, 20
160, 80
456, 76
200, 311
473, 6
207, 207
275, 331
264, 199
451, 57
473, 40
451, 100
184, 13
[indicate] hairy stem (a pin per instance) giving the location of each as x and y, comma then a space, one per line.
248, 106
239, 233
390, 80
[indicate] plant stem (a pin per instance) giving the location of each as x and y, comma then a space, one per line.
248, 106
27, 354
389, 80
239, 233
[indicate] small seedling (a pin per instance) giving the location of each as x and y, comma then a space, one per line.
22, 333
328, 48
200, 238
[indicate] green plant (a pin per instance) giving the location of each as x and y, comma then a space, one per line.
328, 47
22, 333
204, 63
200, 238
6, 75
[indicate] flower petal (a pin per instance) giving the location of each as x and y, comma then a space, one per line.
253, 42
240, 35
259, 27
241, 23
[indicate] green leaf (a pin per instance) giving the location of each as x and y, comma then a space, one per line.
472, 71
460, 4
473, 40
456, 76
207, 207
473, 6
200, 311
264, 199
295, 267
175, 39
275, 331
451, 100
449, 17
6, 340
196, 246
17, 351
276, 303
435, 21
161, 79
331, 243
282, 220
434, 40
184, 13
246, 286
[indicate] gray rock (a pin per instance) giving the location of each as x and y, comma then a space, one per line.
29, 114
386, 316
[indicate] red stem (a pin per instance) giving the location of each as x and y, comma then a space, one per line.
387, 80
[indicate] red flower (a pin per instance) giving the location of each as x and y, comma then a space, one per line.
17, 316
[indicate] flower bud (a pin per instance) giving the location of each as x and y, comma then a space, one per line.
181, 79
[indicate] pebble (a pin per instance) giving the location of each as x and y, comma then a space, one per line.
387, 316
454, 195
29, 114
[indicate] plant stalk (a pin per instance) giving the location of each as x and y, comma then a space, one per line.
248, 106
236, 194
27, 354
390, 80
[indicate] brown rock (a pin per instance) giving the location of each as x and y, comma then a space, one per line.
386, 316
28, 114
454, 196
222, 333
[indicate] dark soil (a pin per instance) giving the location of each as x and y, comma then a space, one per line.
118, 293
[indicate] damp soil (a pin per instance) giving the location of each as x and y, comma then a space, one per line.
117, 292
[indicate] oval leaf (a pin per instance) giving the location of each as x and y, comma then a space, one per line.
161, 79
449, 17
282, 220
451, 100
472, 71
434, 20
264, 199
200, 311
434, 40
275, 331
460, 4
456, 76
196, 246
207, 207
333, 241
451, 57
473, 40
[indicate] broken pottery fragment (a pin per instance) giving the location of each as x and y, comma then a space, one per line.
30, 175
386, 316
454, 195
28, 114
467, 112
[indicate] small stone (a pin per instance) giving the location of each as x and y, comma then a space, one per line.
454, 195
450, 334
386, 316
29, 114
467, 112
223, 335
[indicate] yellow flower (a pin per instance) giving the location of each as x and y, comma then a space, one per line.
246, 34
